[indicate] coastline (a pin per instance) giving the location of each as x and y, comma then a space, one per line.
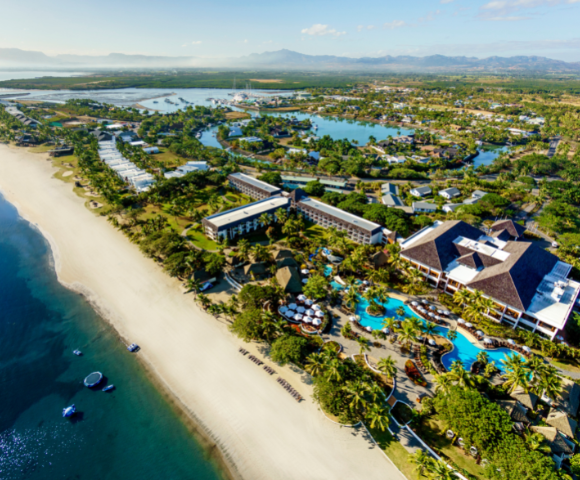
240, 411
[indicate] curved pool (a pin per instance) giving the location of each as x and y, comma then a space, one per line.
464, 350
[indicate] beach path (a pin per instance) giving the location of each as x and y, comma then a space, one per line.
257, 425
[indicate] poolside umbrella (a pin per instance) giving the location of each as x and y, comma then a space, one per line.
511, 342
317, 321
319, 313
440, 312
446, 312
386, 330
307, 319
304, 280
292, 306
352, 319
301, 297
479, 332
305, 271
487, 340
431, 314
414, 303
469, 325
283, 309
369, 329
365, 282
309, 312
432, 307
298, 317
308, 302
316, 307
461, 321
424, 301
432, 342
527, 349
300, 309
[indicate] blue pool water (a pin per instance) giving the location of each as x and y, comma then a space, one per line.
327, 270
464, 350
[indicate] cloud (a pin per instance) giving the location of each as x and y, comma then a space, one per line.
196, 42
446, 1
319, 30
430, 16
360, 28
394, 24
502, 10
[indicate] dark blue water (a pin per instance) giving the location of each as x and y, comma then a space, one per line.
130, 433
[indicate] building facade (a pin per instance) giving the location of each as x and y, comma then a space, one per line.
252, 187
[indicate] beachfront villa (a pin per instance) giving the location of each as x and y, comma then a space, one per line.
138, 178
528, 285
242, 220
252, 187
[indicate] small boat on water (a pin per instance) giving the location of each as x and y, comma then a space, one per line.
69, 411
133, 347
77, 352
93, 379
108, 388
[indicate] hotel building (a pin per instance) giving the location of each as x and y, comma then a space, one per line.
252, 187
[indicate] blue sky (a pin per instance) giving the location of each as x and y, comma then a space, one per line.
226, 28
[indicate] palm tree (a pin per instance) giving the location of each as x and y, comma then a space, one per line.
452, 335
407, 334
281, 216
438, 470
378, 416
334, 370
462, 297
516, 373
461, 377
315, 364
536, 442
416, 282
363, 345
265, 219
422, 461
260, 253
355, 393
429, 329
351, 298
269, 325
401, 312
549, 382
443, 383
194, 285
483, 358
204, 300
244, 249
387, 367
390, 323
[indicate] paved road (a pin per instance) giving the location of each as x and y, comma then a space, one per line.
553, 146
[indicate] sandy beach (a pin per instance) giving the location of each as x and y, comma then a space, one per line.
262, 432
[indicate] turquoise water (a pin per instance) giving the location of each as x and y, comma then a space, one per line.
464, 350
488, 154
130, 433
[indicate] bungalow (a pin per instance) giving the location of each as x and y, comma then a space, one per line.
289, 279
391, 188
391, 200
450, 193
561, 447
424, 207
451, 207
475, 197
421, 191
235, 132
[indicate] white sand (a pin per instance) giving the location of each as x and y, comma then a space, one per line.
258, 426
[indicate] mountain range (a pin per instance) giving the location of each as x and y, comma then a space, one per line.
288, 60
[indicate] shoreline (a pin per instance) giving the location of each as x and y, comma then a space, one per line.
238, 410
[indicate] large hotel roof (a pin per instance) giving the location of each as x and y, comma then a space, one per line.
341, 214
247, 212
255, 182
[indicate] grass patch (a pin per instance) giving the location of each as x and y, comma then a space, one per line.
41, 149
565, 364
395, 451
201, 241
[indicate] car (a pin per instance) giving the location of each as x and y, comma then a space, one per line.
206, 286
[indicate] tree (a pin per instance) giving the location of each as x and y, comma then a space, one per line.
244, 249
315, 364
407, 334
260, 253
204, 300
378, 417
483, 357
315, 188
215, 263
575, 464
516, 373
273, 178
438, 470
281, 216
452, 335
316, 287
461, 377
429, 329
363, 345
288, 349
387, 367
443, 382
265, 219
422, 460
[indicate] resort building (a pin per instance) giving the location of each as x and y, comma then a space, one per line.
358, 229
187, 168
391, 200
450, 193
528, 285
420, 191
424, 207
252, 187
139, 179
242, 220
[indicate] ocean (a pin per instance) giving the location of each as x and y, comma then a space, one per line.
129, 433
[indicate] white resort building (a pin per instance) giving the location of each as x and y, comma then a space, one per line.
528, 285
252, 187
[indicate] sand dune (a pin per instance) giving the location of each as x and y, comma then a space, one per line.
257, 425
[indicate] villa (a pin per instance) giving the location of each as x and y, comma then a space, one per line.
252, 187
424, 207
242, 220
529, 286
420, 191
450, 193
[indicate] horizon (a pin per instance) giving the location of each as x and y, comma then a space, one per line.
471, 28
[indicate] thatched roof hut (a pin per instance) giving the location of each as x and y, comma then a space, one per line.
289, 279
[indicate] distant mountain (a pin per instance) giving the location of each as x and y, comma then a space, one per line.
289, 60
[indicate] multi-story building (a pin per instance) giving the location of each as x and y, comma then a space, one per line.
358, 229
252, 187
528, 285
243, 220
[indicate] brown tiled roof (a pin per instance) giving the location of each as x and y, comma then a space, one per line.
562, 422
289, 279
379, 259
472, 260
501, 234
528, 399
514, 229
555, 440
516, 411
286, 262
515, 280
436, 249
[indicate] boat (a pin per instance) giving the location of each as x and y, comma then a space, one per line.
78, 353
155, 101
133, 347
108, 388
69, 411
93, 379
198, 135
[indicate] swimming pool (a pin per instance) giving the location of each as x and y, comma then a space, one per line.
463, 349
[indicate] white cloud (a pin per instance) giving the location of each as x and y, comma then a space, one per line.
196, 42
502, 10
360, 28
447, 1
319, 30
394, 24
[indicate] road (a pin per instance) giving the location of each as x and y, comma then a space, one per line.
553, 146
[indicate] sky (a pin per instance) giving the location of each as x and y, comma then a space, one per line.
227, 28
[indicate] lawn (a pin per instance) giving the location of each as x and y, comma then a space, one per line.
41, 149
169, 159
200, 240
432, 431
395, 451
